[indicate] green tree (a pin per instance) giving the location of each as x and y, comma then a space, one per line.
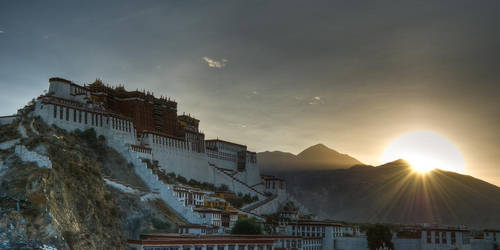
247, 226
379, 235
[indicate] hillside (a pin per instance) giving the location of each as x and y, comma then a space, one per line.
53, 191
313, 158
394, 193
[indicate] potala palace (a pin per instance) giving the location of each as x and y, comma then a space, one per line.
141, 126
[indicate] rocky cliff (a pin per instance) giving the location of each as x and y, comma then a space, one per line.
53, 192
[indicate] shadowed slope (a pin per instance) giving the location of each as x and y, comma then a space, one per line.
394, 193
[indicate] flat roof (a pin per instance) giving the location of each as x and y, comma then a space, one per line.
216, 236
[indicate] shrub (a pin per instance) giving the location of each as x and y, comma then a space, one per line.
247, 226
379, 235
181, 179
223, 188
161, 225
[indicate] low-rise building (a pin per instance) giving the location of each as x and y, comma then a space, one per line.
216, 202
273, 184
492, 235
198, 229
190, 196
216, 242
218, 217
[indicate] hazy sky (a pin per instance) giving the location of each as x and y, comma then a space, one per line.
279, 75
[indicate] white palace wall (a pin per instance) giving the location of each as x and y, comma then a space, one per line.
73, 118
173, 155
251, 175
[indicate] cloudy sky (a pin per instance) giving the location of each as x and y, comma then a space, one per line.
279, 75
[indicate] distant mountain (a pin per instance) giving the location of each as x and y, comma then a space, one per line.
313, 158
394, 193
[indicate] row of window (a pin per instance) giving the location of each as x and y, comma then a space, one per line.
272, 184
78, 90
440, 237
95, 119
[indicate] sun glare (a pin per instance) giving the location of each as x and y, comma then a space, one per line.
425, 151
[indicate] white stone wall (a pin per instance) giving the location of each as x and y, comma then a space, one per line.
7, 119
406, 244
481, 244
30, 156
251, 175
68, 91
459, 242
234, 185
9, 144
120, 130
176, 156
350, 243
269, 207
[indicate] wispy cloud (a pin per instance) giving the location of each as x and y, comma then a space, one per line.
212, 63
315, 100
1, 31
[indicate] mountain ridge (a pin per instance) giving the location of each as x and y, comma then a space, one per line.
317, 156
391, 193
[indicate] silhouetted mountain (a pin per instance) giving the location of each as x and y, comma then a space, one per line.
313, 158
394, 193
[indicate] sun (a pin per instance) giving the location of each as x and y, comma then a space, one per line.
425, 151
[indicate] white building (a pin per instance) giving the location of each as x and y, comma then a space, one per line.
191, 196
218, 217
273, 184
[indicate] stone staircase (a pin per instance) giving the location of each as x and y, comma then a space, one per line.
241, 185
257, 204
152, 181
138, 189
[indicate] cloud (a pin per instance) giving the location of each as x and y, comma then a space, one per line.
1, 31
315, 100
214, 63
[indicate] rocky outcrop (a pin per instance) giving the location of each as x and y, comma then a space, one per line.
53, 194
